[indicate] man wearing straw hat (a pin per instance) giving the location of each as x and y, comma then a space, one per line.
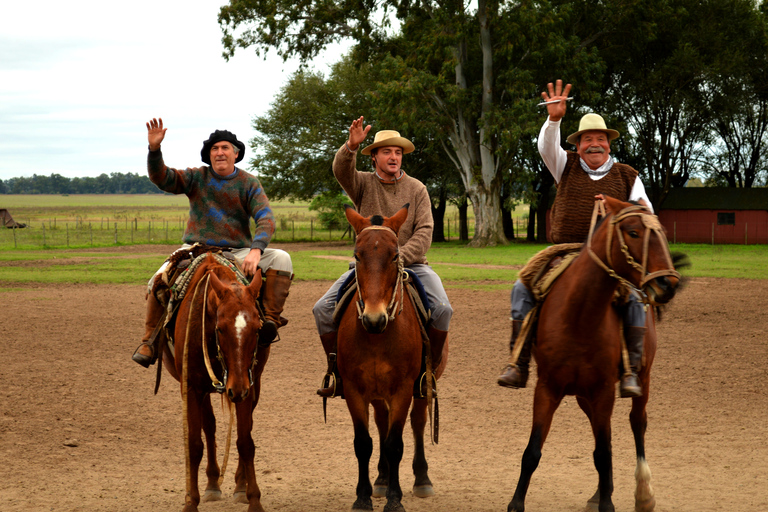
383, 192
581, 177
222, 201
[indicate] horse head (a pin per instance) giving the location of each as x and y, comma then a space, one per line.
378, 267
636, 250
237, 325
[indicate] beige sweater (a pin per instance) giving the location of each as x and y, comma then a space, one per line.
371, 196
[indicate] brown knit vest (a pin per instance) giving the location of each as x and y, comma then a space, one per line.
572, 210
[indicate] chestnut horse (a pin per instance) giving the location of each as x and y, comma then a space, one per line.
379, 358
216, 350
578, 345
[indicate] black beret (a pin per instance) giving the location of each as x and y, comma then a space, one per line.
218, 136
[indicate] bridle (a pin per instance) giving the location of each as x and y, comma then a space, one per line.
395, 306
652, 225
218, 385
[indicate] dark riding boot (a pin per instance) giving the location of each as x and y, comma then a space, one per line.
516, 376
630, 384
331, 385
275, 291
436, 343
146, 354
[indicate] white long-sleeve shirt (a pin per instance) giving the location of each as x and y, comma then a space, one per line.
555, 157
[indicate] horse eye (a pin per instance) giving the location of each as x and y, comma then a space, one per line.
633, 234
357, 258
396, 257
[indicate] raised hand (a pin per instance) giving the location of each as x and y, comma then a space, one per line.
155, 133
357, 133
557, 110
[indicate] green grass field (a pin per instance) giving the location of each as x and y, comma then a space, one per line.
82, 222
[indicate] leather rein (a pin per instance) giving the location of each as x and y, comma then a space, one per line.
652, 225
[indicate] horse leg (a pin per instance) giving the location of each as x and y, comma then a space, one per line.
212, 471
381, 417
246, 451
638, 420
422, 486
393, 448
363, 444
600, 419
194, 449
544, 406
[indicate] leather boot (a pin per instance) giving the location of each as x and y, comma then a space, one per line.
331, 385
436, 343
516, 376
146, 354
275, 291
630, 385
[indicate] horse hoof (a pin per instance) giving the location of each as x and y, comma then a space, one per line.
394, 506
423, 491
239, 497
212, 495
363, 504
646, 505
379, 491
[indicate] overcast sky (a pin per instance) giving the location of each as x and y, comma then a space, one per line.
79, 80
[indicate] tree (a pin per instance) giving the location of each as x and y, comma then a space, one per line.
471, 69
664, 61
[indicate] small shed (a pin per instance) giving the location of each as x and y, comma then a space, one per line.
7, 220
715, 215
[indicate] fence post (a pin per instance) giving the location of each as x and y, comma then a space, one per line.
67, 225
293, 230
115, 233
44, 233
311, 228
90, 231
149, 232
14, 237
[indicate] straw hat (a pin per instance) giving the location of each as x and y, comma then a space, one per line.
389, 138
591, 122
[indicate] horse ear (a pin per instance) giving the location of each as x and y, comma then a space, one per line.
613, 205
397, 219
217, 287
357, 221
255, 286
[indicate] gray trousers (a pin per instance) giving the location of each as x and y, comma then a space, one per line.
522, 300
433, 286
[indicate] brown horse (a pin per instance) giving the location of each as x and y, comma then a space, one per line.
578, 348
379, 358
216, 350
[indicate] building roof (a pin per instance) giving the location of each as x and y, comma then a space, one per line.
716, 198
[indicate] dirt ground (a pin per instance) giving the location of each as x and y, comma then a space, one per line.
80, 429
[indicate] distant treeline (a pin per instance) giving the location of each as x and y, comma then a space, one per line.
114, 183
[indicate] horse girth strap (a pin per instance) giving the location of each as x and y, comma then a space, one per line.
652, 224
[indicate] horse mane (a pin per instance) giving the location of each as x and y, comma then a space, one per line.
377, 220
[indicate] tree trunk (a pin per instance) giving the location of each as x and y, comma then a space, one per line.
438, 216
464, 220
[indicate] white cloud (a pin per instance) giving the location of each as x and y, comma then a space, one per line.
78, 85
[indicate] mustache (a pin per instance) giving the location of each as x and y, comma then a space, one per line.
595, 150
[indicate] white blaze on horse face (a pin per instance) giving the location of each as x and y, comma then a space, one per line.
240, 324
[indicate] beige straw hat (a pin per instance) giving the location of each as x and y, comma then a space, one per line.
389, 138
591, 122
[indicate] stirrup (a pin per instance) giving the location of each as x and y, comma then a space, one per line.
329, 382
145, 361
420, 388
